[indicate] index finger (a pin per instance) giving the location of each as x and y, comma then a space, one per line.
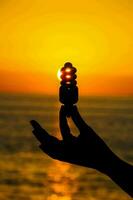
78, 120
40, 133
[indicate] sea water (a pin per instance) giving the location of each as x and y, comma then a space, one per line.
26, 173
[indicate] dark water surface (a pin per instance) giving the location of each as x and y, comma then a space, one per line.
28, 174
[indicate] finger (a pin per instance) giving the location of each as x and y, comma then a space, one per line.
40, 133
78, 120
35, 125
65, 130
49, 144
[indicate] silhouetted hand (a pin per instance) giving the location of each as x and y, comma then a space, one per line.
88, 149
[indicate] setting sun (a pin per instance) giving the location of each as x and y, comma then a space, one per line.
55, 55
38, 36
59, 73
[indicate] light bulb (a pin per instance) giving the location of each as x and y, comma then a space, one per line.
68, 93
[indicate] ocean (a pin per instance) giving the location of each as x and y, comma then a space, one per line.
26, 173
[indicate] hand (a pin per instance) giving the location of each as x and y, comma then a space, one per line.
88, 149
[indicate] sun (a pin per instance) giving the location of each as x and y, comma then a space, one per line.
59, 73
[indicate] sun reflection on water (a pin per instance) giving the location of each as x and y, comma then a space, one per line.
61, 180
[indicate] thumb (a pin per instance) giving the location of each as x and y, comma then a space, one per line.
77, 119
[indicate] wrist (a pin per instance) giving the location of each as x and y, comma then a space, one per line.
121, 173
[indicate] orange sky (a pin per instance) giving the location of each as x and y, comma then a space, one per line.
37, 37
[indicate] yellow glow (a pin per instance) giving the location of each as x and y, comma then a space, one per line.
67, 69
95, 36
68, 82
68, 76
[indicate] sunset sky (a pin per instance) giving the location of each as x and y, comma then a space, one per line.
38, 36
